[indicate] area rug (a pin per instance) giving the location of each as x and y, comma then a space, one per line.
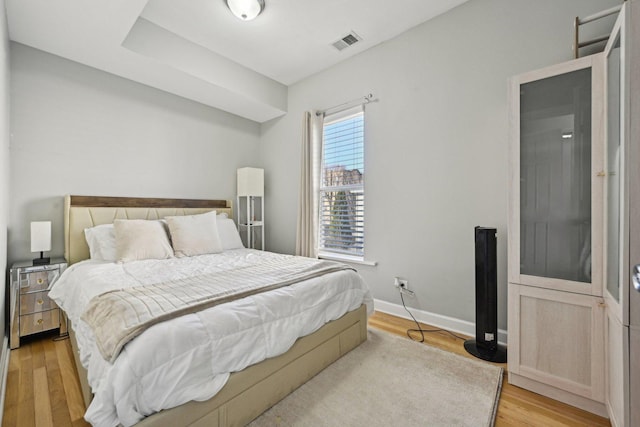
392, 381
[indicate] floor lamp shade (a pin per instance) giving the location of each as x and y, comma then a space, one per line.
251, 182
40, 236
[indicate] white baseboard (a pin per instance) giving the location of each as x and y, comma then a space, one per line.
438, 320
4, 370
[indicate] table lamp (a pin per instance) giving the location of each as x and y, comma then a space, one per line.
41, 240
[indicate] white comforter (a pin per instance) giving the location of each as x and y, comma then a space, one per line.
191, 357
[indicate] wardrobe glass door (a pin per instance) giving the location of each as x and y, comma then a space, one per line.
555, 177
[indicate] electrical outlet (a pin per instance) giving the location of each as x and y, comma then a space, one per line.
400, 283
403, 286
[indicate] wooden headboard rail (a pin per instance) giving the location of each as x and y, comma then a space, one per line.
144, 202
82, 212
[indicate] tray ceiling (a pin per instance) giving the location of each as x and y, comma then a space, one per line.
198, 50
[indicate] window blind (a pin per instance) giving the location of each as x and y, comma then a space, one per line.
341, 223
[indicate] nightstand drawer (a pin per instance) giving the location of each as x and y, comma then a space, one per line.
37, 280
38, 322
36, 302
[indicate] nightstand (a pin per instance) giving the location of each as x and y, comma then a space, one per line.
32, 310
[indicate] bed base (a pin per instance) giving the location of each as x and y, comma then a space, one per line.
252, 391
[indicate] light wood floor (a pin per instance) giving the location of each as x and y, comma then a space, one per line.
42, 385
43, 388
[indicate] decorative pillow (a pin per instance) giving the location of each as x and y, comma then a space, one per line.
101, 240
138, 239
194, 234
228, 233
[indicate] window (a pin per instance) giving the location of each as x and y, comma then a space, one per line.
341, 201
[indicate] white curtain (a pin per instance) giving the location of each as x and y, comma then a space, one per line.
307, 224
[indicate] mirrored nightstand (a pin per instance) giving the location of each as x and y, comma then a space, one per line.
32, 310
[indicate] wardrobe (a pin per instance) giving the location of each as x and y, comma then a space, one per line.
574, 228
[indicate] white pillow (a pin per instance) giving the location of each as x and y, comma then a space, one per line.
101, 240
194, 234
228, 233
138, 239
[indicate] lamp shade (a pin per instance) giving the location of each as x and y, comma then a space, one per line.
250, 182
40, 236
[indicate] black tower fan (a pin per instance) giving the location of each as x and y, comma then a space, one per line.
486, 346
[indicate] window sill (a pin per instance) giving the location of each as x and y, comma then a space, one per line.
347, 258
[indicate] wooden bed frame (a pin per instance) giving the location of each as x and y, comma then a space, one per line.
248, 393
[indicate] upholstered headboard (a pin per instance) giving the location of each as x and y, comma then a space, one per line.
82, 212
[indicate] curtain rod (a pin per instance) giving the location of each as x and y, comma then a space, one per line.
358, 101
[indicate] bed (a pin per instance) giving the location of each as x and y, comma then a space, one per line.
249, 391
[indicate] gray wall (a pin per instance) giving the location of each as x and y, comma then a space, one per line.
77, 130
4, 153
437, 146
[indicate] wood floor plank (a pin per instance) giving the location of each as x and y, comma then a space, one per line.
14, 362
59, 405
545, 406
10, 416
12, 397
41, 395
37, 354
70, 381
25, 410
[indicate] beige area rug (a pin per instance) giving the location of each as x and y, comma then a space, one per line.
392, 381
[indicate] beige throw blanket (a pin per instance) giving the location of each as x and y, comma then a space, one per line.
117, 317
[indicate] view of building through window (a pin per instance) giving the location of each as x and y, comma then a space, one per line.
342, 185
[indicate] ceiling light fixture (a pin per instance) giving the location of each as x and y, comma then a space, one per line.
245, 9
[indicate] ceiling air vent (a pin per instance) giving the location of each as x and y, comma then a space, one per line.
348, 40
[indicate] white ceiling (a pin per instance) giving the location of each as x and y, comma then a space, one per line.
198, 50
